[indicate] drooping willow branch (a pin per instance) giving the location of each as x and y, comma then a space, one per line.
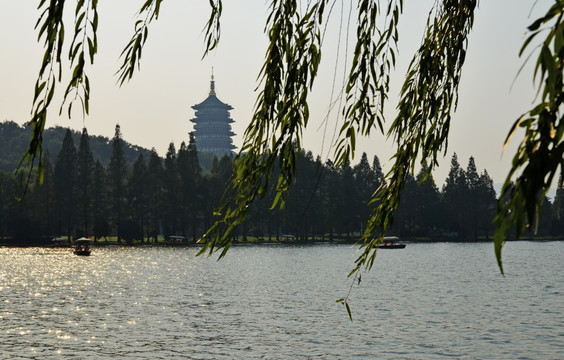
540, 153
52, 32
368, 82
213, 26
428, 98
273, 137
84, 44
132, 52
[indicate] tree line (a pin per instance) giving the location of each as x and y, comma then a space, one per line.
167, 196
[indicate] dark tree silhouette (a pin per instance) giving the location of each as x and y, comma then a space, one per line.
84, 178
117, 174
65, 185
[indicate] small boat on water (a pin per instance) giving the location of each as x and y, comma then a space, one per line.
82, 247
389, 243
59, 242
392, 246
176, 240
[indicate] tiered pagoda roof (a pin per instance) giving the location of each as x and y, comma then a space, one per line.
212, 125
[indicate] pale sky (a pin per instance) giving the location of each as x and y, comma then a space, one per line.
154, 108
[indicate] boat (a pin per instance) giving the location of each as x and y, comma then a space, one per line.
59, 242
82, 247
388, 243
176, 240
392, 246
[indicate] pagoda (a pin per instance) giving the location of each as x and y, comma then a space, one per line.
212, 125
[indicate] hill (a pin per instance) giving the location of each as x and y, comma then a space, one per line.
14, 140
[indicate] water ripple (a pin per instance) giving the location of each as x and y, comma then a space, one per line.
428, 301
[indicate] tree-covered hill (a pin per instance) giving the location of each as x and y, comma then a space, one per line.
14, 140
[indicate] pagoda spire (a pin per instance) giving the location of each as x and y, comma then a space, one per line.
212, 84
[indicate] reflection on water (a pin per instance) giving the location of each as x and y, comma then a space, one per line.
427, 301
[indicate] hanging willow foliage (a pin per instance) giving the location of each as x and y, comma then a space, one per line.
52, 32
540, 153
428, 98
420, 130
274, 135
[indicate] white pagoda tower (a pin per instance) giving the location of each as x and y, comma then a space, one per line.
212, 125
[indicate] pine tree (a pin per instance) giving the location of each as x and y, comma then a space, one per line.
41, 200
365, 185
85, 169
65, 185
453, 195
171, 189
6, 200
349, 219
486, 203
543, 226
377, 171
100, 204
137, 198
405, 218
330, 203
189, 171
427, 204
471, 204
218, 177
298, 210
117, 172
155, 194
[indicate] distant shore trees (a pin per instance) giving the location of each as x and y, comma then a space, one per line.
173, 196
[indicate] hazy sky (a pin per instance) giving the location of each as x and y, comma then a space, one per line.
155, 107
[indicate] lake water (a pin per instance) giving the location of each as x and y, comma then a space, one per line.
427, 301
